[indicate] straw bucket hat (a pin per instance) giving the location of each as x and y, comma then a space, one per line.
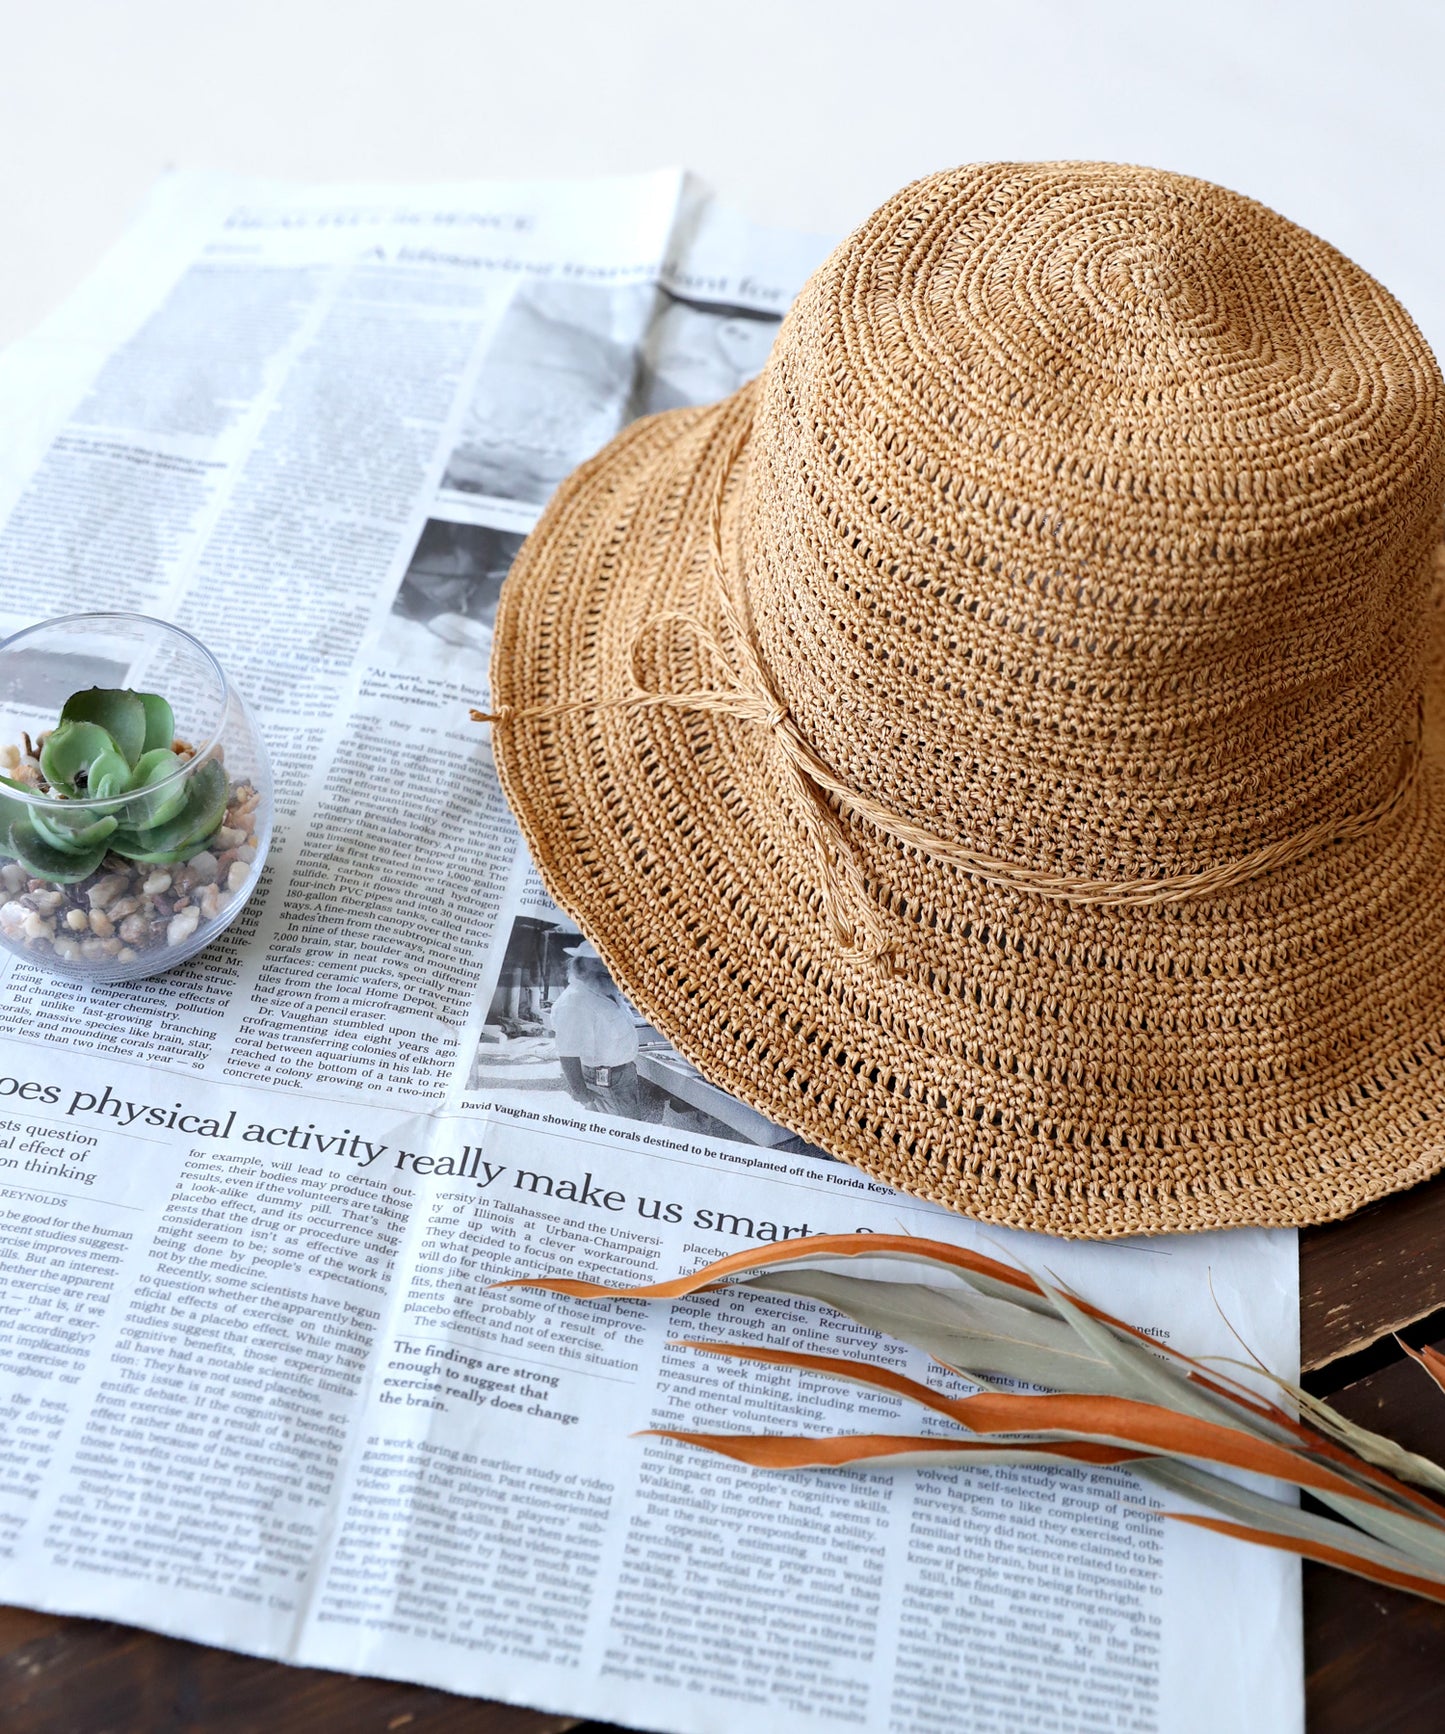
990, 744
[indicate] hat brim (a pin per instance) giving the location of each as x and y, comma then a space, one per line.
1274, 1056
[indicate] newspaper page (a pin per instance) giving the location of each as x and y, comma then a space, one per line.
256, 1388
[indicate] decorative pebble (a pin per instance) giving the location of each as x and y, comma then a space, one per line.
130, 907
105, 891
182, 926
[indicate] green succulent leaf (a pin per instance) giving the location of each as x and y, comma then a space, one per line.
121, 714
160, 722
109, 776
153, 805
44, 861
111, 746
72, 833
178, 838
69, 752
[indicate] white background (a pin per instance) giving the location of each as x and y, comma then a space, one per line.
802, 112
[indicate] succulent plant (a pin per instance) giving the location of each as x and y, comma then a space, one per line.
107, 745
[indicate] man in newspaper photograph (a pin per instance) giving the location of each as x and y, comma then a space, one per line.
557, 1022
596, 1037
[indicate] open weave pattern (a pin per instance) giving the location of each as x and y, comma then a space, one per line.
1086, 519
1093, 510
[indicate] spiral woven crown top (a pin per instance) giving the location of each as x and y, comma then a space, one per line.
1088, 518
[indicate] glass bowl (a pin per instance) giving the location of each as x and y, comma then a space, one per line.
156, 843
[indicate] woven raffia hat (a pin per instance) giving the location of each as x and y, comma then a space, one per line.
990, 745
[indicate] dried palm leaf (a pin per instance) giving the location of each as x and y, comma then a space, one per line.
1105, 1393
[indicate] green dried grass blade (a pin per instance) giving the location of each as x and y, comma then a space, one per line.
1373, 1448
1022, 1328
1268, 1517
1128, 1424
1249, 1505
1153, 1379
1077, 1353
1419, 1537
1413, 1583
973, 1334
1064, 1347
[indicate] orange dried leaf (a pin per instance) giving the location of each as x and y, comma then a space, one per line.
1123, 1421
772, 1451
859, 1372
1433, 1589
1153, 1422
788, 1252
818, 1247
1430, 1359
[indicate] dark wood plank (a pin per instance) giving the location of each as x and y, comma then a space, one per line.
1372, 1273
1375, 1659
64, 1676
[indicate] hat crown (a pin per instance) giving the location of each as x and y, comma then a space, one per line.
1089, 518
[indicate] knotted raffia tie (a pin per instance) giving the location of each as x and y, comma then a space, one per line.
745, 689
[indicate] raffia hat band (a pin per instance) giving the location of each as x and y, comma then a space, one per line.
748, 691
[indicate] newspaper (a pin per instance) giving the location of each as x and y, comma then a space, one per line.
255, 1388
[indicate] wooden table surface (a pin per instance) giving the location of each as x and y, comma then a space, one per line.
1375, 1659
